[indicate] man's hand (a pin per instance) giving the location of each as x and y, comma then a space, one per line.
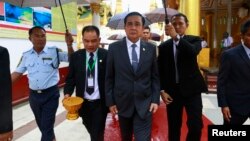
153, 107
113, 110
170, 31
226, 113
68, 38
66, 96
167, 99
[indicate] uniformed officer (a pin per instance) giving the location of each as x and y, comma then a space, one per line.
42, 64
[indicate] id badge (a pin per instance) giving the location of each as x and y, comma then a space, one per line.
90, 82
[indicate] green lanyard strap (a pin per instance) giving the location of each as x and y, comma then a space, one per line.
91, 67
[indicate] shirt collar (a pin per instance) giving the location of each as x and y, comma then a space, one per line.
129, 43
246, 49
45, 49
95, 52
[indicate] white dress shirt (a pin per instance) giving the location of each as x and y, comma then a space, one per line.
96, 94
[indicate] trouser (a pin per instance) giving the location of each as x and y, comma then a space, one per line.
94, 118
44, 106
236, 119
135, 124
193, 107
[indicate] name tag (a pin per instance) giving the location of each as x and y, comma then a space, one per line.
90, 81
47, 58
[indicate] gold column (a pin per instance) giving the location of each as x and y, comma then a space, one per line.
191, 8
209, 26
105, 19
118, 7
95, 7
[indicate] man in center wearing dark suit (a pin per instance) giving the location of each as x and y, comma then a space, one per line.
132, 83
181, 80
87, 74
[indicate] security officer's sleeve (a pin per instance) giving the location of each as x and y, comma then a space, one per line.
63, 56
21, 65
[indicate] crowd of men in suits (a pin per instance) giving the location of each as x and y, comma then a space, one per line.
129, 80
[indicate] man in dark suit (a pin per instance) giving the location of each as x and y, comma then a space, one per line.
181, 80
132, 83
6, 122
233, 80
87, 74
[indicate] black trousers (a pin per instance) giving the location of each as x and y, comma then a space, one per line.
135, 124
236, 119
94, 118
44, 106
193, 107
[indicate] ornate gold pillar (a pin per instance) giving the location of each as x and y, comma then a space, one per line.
209, 26
95, 7
191, 8
105, 19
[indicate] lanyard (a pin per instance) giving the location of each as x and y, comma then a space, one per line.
91, 67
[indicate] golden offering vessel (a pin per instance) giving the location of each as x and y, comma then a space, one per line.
72, 105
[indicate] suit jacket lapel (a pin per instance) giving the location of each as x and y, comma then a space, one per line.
99, 61
143, 52
244, 55
124, 54
81, 59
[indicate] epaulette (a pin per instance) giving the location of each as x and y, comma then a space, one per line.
53, 47
27, 51
60, 50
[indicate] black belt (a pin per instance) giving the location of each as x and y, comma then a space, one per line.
91, 100
44, 90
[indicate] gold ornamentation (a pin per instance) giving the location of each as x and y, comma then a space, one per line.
95, 7
72, 105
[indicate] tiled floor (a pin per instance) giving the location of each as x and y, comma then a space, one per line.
25, 128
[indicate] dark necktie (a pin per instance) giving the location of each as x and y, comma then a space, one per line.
134, 57
91, 73
176, 68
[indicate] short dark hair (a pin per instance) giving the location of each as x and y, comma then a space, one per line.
147, 27
180, 15
35, 27
244, 27
89, 28
134, 14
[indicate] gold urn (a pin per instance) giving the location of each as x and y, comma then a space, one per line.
72, 105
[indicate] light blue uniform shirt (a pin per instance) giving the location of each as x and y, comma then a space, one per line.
42, 68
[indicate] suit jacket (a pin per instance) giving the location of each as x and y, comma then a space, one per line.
190, 79
130, 90
6, 122
77, 74
233, 88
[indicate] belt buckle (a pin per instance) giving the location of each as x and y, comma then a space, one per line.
89, 100
39, 91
